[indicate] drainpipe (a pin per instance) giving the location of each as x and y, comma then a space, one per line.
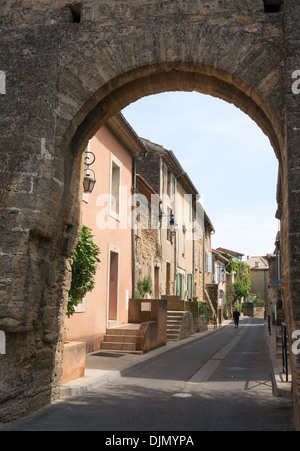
175, 236
133, 228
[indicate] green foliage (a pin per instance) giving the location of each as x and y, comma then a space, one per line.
240, 290
232, 266
242, 286
143, 286
84, 268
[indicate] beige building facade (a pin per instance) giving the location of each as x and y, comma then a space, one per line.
259, 274
180, 244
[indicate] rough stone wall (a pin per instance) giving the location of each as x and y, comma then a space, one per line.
63, 72
290, 219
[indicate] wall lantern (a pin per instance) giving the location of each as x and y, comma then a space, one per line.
172, 226
89, 180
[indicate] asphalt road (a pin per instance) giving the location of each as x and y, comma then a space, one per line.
220, 382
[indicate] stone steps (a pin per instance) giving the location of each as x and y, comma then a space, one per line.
121, 339
174, 324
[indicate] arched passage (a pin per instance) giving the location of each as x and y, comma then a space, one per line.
142, 82
63, 79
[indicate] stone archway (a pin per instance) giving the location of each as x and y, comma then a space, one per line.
65, 70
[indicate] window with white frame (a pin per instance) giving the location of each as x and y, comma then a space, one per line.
115, 185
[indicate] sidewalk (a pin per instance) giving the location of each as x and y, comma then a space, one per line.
280, 386
104, 367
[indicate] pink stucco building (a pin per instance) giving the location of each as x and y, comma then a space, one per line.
107, 211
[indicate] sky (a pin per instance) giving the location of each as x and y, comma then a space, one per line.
228, 158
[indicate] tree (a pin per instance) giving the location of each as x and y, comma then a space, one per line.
242, 286
84, 268
240, 290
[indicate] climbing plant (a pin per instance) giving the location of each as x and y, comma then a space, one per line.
84, 268
242, 286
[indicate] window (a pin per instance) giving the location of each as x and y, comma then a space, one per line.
115, 184
76, 10
222, 297
273, 6
220, 272
190, 287
209, 265
180, 286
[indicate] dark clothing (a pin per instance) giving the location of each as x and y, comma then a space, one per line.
236, 317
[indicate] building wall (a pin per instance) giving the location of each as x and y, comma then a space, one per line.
259, 282
199, 270
184, 218
109, 234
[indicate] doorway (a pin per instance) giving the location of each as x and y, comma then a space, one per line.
113, 292
156, 283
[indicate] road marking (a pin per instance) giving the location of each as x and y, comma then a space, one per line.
210, 367
182, 395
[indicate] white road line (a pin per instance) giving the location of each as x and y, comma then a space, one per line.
210, 367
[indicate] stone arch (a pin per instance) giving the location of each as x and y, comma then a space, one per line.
66, 72
180, 77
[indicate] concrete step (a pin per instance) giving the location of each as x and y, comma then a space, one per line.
118, 346
120, 338
173, 337
120, 351
127, 329
173, 326
174, 322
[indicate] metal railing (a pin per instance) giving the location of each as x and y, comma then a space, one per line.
285, 364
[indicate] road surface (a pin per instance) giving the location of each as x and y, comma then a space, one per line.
220, 382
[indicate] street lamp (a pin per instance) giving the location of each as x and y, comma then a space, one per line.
89, 181
172, 226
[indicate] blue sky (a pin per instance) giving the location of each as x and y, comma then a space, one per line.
228, 158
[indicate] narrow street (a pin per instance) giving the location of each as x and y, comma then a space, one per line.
220, 382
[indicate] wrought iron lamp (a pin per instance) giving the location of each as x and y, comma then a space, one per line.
89, 180
172, 226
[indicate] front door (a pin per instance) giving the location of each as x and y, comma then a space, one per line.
113, 287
